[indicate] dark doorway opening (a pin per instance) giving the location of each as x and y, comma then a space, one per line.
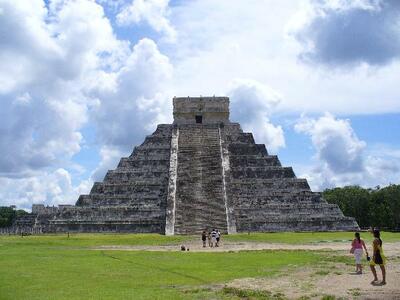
199, 119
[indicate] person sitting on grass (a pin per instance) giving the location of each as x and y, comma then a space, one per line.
357, 249
378, 258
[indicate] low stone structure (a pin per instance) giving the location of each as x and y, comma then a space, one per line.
200, 172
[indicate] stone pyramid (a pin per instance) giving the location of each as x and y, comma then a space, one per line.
200, 172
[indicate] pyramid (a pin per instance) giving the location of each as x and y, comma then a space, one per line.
200, 172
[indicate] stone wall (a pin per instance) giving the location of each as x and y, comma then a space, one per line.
212, 110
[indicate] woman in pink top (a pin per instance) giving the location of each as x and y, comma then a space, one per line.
357, 249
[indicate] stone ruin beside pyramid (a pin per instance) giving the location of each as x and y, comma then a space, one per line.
200, 172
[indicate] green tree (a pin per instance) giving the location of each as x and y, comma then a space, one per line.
379, 207
8, 215
353, 201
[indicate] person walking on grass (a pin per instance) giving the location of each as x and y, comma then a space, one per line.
378, 258
357, 249
204, 238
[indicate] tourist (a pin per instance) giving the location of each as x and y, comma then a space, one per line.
378, 258
204, 238
209, 239
213, 238
357, 249
218, 238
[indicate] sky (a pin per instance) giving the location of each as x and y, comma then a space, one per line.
82, 82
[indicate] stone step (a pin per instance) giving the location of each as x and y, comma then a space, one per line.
199, 194
246, 149
133, 164
270, 172
253, 161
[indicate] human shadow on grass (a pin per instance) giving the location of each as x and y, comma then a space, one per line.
157, 268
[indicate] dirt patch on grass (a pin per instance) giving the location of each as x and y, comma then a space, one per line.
338, 280
391, 249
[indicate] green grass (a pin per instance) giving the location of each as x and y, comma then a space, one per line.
307, 237
92, 240
57, 267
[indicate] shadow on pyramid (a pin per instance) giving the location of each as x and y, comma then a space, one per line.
201, 172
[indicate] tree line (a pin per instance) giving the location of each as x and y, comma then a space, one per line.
378, 207
9, 214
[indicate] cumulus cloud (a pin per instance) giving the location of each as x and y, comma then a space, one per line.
75, 70
45, 53
251, 104
346, 32
135, 104
341, 158
110, 157
335, 142
49, 188
153, 12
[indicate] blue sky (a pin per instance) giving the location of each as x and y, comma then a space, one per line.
82, 82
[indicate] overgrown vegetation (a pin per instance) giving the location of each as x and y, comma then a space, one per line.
8, 215
379, 207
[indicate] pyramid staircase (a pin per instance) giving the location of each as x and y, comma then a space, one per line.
199, 194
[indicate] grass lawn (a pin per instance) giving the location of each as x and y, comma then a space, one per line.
308, 237
57, 267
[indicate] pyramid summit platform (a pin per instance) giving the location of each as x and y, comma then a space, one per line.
201, 172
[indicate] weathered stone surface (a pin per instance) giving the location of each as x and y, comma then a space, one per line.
200, 172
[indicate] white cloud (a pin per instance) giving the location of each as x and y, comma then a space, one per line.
136, 103
154, 12
49, 188
44, 104
336, 143
251, 104
222, 40
75, 70
342, 158
110, 157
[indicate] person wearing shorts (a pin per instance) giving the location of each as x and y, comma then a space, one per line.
378, 258
357, 249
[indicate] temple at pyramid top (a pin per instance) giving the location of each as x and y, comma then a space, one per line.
201, 172
201, 110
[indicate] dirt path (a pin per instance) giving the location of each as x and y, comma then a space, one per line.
391, 249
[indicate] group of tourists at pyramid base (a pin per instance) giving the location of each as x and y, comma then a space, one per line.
213, 237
